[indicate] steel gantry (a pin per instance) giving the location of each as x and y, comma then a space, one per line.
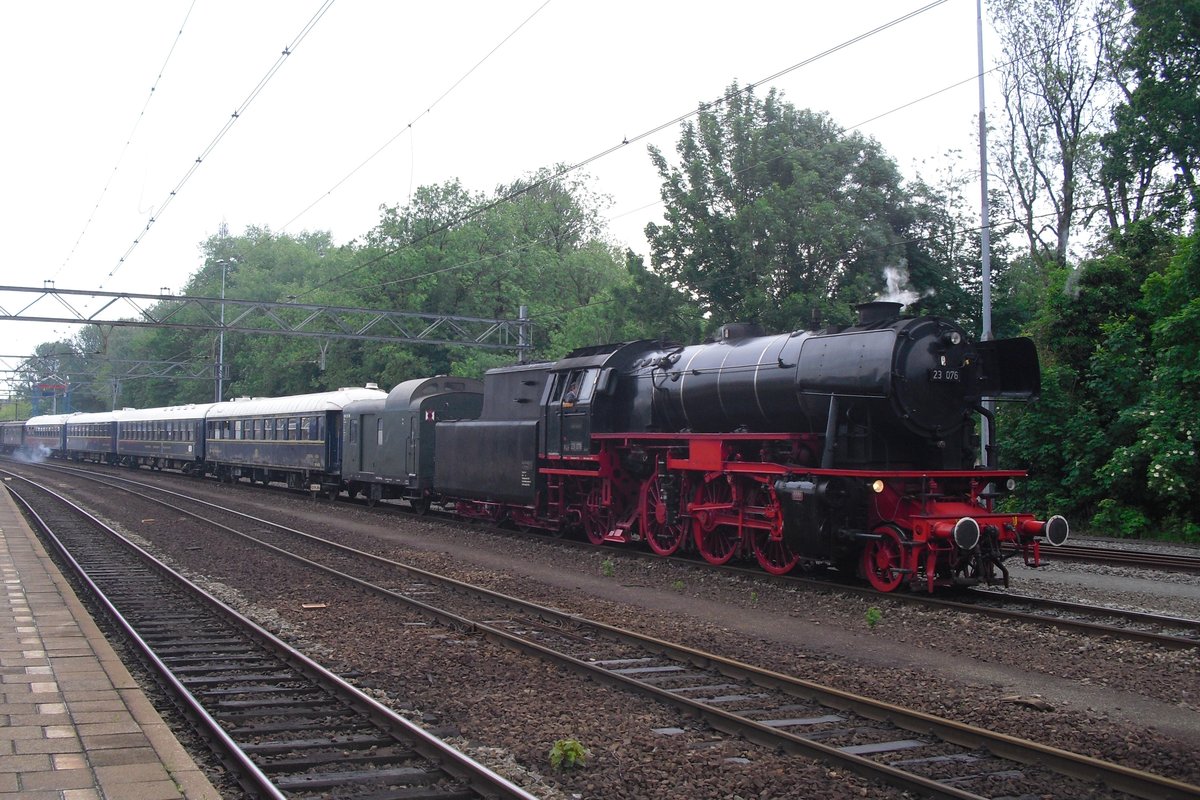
129, 309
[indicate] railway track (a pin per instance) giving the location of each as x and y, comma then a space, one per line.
915, 751
1118, 623
284, 725
1118, 556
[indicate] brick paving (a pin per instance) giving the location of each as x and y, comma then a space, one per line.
73, 723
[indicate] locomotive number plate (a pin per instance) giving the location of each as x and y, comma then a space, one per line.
943, 375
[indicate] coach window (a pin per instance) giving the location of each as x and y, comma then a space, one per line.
313, 432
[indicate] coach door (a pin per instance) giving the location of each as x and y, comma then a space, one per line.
370, 443
333, 440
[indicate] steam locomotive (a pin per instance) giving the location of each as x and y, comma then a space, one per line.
854, 447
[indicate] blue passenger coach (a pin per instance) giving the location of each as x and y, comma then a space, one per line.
92, 437
163, 438
12, 436
295, 439
45, 435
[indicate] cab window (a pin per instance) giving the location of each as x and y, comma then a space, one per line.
576, 386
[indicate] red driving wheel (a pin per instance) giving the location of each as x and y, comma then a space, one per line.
663, 537
883, 560
716, 542
597, 517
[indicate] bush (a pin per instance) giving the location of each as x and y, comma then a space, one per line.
568, 754
1114, 519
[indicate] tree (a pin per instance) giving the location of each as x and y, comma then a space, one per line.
774, 212
1055, 82
1157, 125
1157, 464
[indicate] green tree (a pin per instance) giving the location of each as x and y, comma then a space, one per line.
1157, 465
1157, 126
774, 212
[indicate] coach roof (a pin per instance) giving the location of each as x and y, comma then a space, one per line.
296, 404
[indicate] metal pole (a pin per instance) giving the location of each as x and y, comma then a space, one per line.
523, 335
224, 262
985, 243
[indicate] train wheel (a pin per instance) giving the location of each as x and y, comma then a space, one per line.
883, 560
597, 517
420, 506
663, 537
770, 549
773, 555
717, 542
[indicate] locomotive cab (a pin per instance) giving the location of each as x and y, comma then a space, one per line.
586, 396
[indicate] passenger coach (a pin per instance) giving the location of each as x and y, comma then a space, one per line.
163, 438
92, 437
45, 435
295, 439
12, 436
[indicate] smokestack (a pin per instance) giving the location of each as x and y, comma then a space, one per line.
877, 311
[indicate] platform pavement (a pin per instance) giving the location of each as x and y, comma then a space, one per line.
73, 723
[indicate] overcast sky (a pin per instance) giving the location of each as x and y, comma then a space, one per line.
564, 81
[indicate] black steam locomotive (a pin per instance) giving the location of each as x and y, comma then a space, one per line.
854, 447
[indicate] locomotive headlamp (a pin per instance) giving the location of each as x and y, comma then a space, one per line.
877, 486
1010, 484
952, 337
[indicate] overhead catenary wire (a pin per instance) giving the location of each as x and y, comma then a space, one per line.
128, 140
229, 123
482, 209
428, 110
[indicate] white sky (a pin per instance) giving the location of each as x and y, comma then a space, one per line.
575, 80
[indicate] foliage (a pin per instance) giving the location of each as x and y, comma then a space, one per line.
568, 754
774, 212
1156, 128
873, 616
1158, 455
1113, 440
608, 567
